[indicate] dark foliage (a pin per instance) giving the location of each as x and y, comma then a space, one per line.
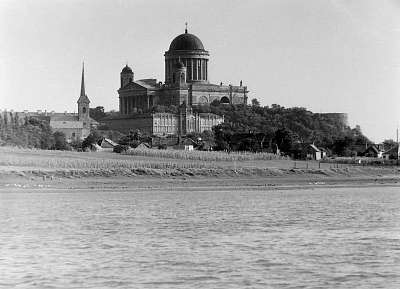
29, 132
134, 138
120, 148
256, 128
60, 142
93, 138
97, 113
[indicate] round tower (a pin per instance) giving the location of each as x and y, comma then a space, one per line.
126, 76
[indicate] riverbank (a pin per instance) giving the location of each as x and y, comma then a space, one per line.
36, 169
98, 180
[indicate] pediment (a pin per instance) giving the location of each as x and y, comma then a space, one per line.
134, 86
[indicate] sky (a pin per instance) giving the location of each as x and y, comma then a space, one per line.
324, 55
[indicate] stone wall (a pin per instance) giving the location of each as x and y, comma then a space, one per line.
125, 124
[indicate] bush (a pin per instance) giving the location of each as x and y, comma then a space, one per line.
93, 138
162, 147
121, 148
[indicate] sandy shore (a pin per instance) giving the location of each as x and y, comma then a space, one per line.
11, 181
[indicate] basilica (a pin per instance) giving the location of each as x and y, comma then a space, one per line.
186, 85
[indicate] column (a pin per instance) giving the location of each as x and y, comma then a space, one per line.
120, 105
191, 69
195, 69
206, 69
200, 71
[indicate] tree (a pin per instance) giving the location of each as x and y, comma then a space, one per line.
97, 113
286, 140
60, 142
93, 138
389, 143
255, 102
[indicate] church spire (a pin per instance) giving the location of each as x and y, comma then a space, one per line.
83, 97
83, 80
185, 27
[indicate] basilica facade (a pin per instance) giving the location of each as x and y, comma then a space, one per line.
186, 85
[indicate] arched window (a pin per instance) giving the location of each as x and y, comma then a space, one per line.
225, 99
84, 110
203, 99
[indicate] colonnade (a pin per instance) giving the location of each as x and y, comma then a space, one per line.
196, 69
127, 105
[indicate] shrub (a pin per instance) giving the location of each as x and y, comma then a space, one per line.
120, 148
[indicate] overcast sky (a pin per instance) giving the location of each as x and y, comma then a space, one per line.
327, 56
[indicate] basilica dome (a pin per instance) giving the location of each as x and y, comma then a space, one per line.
187, 50
186, 41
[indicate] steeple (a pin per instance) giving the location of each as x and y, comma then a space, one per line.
83, 97
186, 27
83, 80
83, 103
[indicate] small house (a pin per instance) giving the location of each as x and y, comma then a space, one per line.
311, 152
187, 145
373, 152
143, 146
108, 144
324, 152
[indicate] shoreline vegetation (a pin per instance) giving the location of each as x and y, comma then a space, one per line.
30, 169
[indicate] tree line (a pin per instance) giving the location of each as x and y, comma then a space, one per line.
30, 132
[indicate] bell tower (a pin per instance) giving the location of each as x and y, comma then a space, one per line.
126, 76
83, 102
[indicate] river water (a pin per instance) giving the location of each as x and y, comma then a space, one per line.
319, 238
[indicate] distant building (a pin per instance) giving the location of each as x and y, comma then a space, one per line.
75, 126
186, 85
373, 151
107, 144
336, 117
311, 152
165, 123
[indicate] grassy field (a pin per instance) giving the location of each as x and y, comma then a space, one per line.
205, 155
154, 159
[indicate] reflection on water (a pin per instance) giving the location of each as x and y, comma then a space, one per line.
322, 238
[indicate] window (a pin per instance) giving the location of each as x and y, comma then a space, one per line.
84, 110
